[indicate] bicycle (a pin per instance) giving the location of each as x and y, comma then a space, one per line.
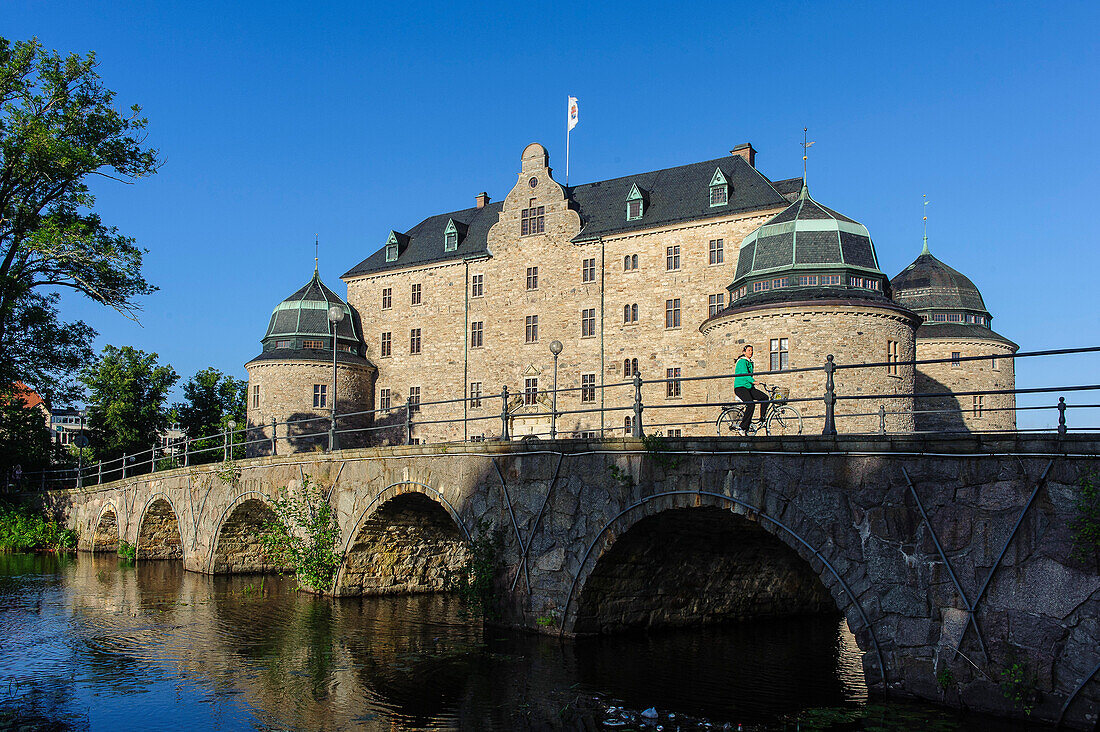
782, 419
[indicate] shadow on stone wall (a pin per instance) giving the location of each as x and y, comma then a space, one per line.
947, 414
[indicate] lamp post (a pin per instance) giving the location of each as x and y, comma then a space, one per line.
555, 349
230, 425
335, 315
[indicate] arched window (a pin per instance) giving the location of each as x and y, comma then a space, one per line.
628, 426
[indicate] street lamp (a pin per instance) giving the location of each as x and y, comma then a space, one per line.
230, 425
335, 315
555, 349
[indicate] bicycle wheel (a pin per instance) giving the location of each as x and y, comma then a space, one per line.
729, 421
785, 420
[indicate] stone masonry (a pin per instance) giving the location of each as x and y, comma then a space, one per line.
842, 514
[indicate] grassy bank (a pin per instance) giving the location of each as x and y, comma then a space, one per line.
24, 530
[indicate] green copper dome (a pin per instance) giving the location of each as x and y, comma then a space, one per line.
301, 321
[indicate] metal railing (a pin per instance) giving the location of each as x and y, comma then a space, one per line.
399, 424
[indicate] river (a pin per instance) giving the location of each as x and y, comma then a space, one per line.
89, 643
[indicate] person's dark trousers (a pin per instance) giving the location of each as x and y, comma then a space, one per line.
751, 395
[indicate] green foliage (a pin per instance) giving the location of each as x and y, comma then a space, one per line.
24, 437
945, 678
127, 390
620, 475
211, 400
657, 449
1018, 684
1086, 525
545, 621
305, 536
127, 552
23, 530
58, 128
473, 581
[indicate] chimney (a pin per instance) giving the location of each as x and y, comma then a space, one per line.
482, 199
744, 150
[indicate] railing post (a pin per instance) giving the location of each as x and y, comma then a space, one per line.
186, 452
99, 473
225, 446
43, 474
830, 397
882, 419
504, 414
637, 430
123, 466
274, 439
1061, 415
153, 460
408, 424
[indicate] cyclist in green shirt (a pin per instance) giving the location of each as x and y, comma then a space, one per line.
744, 388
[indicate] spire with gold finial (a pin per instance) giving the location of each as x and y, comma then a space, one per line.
806, 144
925, 249
316, 254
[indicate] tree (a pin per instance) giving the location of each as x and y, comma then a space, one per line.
211, 400
58, 129
127, 390
24, 436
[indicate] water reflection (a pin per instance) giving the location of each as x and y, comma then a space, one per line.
92, 644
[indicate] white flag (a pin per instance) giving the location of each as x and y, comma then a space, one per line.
572, 116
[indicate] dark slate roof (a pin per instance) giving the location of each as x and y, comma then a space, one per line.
788, 295
929, 330
788, 188
672, 195
310, 354
425, 241
305, 313
929, 284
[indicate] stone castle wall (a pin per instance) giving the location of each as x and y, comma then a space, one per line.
966, 413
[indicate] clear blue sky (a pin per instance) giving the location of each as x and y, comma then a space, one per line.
280, 120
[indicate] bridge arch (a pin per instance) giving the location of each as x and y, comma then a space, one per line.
108, 529
620, 539
236, 547
404, 541
159, 535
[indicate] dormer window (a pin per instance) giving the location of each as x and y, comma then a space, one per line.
635, 204
719, 189
391, 248
450, 237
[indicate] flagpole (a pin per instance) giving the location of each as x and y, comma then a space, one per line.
567, 131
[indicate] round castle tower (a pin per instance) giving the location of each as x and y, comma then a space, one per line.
808, 285
291, 379
956, 324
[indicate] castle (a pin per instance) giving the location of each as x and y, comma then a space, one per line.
664, 274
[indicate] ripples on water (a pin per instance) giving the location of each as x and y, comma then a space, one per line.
88, 644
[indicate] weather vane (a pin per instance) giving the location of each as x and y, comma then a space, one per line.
925, 208
316, 252
806, 145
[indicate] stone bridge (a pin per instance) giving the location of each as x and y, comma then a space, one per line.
945, 555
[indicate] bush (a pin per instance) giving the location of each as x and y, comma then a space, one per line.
23, 530
305, 536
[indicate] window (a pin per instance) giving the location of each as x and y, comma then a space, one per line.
630, 313
892, 358
719, 189
628, 426
588, 270
588, 387
416, 294
384, 398
588, 322
320, 395
717, 251
673, 384
284, 344
532, 333
414, 341
807, 280
585, 435
477, 331
391, 250
672, 258
477, 285
672, 313
387, 345
530, 390
475, 394
993, 364
715, 303
978, 405
830, 279
256, 396
450, 241
761, 286
414, 399
780, 282
633, 210
387, 298
532, 219
779, 354
675, 432
956, 318
630, 367
532, 278
317, 345
955, 358
630, 262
